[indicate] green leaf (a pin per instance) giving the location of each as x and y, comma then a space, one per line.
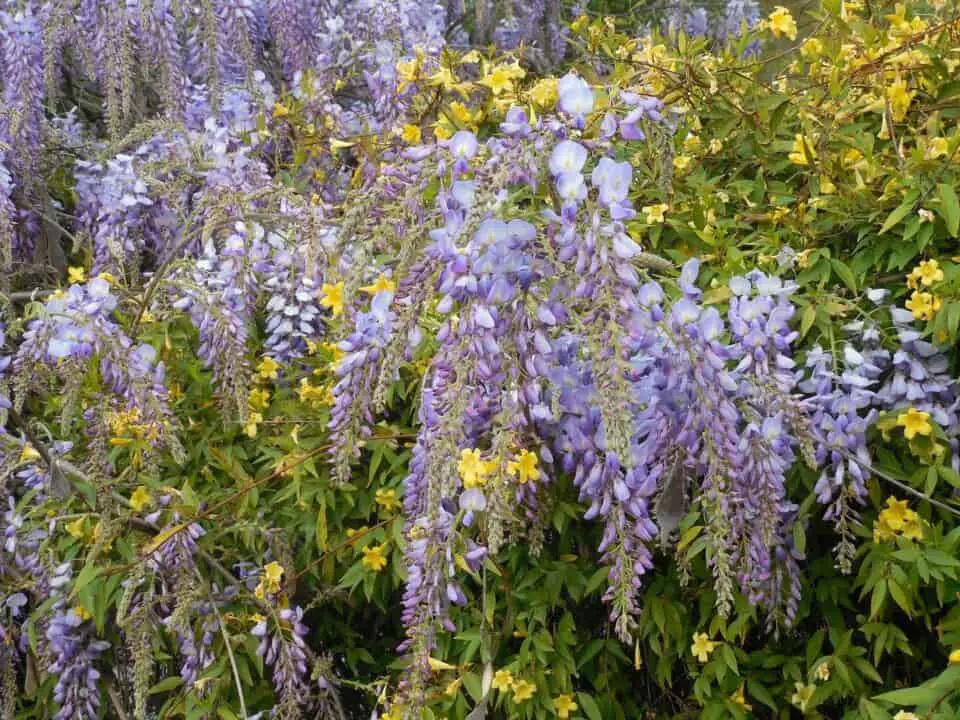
896, 216
949, 208
165, 685
589, 706
911, 696
843, 271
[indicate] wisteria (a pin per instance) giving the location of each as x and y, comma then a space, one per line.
347, 263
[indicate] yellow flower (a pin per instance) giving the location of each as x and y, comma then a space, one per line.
280, 110
691, 143
781, 22
523, 690
267, 369
382, 283
895, 515
140, 499
331, 296
914, 422
453, 687
923, 305
471, 57
925, 216
654, 213
801, 697
387, 499
702, 646
472, 469
564, 705
822, 672
439, 665
81, 612
258, 399
955, 657
811, 48
826, 186
544, 93
913, 528
410, 134
715, 146
682, 162
801, 146
900, 99
524, 467
740, 700
76, 529
927, 273
502, 680
906, 715
937, 148
28, 454
882, 532
76, 275
499, 80
253, 420
373, 558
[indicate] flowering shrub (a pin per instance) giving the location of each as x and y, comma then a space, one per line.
349, 372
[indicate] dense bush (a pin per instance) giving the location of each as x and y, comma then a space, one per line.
350, 371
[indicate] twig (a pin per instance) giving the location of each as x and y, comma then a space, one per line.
116, 701
898, 483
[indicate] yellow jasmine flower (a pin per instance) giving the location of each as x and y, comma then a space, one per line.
453, 687
882, 532
439, 665
822, 672
472, 469
564, 705
544, 93
461, 113
715, 146
925, 215
900, 99
906, 715
937, 148
691, 143
826, 186
499, 80
523, 690
140, 499
253, 420
524, 467
654, 213
471, 57
740, 700
928, 272
331, 296
801, 146
76, 275
913, 528
258, 399
955, 657
267, 369
682, 162
272, 574
502, 680
895, 514
387, 499
781, 22
410, 134
802, 696
443, 77
81, 612
382, 283
373, 558
811, 48
76, 529
923, 305
28, 454
702, 646
914, 422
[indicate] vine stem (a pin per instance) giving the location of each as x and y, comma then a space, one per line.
226, 642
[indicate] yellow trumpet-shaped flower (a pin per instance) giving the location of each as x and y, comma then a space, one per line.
914, 422
702, 646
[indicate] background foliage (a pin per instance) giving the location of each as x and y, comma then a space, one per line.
181, 539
